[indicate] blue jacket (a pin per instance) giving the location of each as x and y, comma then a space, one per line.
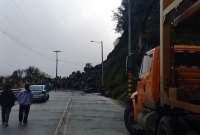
24, 98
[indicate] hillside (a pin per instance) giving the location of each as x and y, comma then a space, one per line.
146, 27
147, 31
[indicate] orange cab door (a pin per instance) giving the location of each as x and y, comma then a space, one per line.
138, 100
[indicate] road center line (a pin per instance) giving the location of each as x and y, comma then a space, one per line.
62, 119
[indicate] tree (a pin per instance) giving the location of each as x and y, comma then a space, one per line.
17, 74
121, 17
145, 19
88, 67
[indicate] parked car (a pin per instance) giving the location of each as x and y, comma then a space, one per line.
40, 92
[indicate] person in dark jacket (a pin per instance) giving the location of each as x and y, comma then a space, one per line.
7, 101
25, 99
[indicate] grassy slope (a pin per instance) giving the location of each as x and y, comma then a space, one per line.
115, 71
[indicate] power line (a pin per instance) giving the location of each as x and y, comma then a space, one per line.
21, 14
26, 22
22, 44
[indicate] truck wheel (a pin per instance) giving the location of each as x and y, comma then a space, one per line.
166, 126
129, 123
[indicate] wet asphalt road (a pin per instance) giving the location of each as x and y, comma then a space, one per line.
90, 114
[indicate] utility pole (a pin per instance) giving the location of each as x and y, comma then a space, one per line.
57, 51
129, 60
129, 28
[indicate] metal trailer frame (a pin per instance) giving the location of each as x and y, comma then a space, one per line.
168, 93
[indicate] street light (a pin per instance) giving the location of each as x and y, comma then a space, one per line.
102, 77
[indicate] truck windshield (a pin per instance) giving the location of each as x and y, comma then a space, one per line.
189, 59
146, 64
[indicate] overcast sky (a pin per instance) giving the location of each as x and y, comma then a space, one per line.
31, 29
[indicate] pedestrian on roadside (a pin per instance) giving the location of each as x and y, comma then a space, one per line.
25, 99
7, 101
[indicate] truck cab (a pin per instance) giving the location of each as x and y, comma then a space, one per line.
146, 100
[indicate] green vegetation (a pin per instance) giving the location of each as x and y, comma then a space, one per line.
145, 35
115, 71
30, 75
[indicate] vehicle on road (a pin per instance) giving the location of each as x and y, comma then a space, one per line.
166, 97
146, 112
40, 92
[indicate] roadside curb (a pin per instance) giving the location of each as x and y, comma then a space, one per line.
57, 131
118, 103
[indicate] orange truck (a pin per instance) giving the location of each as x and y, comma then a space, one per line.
147, 115
166, 100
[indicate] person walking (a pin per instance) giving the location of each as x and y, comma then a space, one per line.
7, 101
25, 99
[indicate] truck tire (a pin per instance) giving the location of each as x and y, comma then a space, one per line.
129, 123
166, 126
